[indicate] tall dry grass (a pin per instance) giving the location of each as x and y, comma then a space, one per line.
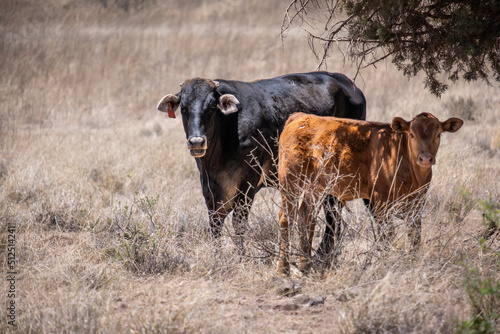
111, 229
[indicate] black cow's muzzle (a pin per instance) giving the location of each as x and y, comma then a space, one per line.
197, 146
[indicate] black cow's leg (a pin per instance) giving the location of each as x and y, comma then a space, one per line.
333, 209
218, 208
241, 212
216, 222
240, 225
368, 205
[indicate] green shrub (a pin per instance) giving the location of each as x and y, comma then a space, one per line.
491, 216
483, 293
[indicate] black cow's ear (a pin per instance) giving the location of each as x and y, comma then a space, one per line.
227, 104
452, 125
169, 103
399, 124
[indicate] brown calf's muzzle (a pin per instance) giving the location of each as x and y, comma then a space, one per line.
426, 160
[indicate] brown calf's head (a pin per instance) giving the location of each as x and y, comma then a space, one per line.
424, 134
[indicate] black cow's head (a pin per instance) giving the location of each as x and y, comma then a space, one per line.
199, 100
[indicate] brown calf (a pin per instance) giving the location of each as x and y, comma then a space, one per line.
385, 163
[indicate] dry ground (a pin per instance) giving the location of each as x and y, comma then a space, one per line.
110, 225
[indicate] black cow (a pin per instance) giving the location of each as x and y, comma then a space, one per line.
232, 129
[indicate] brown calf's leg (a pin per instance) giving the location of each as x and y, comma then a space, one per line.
306, 223
284, 242
415, 234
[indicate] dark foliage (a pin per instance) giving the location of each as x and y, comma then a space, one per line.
451, 37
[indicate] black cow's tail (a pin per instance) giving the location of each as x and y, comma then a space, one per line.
355, 101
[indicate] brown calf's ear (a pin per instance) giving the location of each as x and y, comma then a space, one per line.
169, 103
227, 104
452, 125
399, 124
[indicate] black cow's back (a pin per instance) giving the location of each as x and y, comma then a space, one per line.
265, 105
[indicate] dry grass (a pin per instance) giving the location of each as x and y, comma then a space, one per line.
111, 227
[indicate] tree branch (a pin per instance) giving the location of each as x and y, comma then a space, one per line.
417, 36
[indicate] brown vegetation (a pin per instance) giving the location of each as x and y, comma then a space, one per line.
111, 227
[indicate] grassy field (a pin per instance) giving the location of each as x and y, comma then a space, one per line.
104, 202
